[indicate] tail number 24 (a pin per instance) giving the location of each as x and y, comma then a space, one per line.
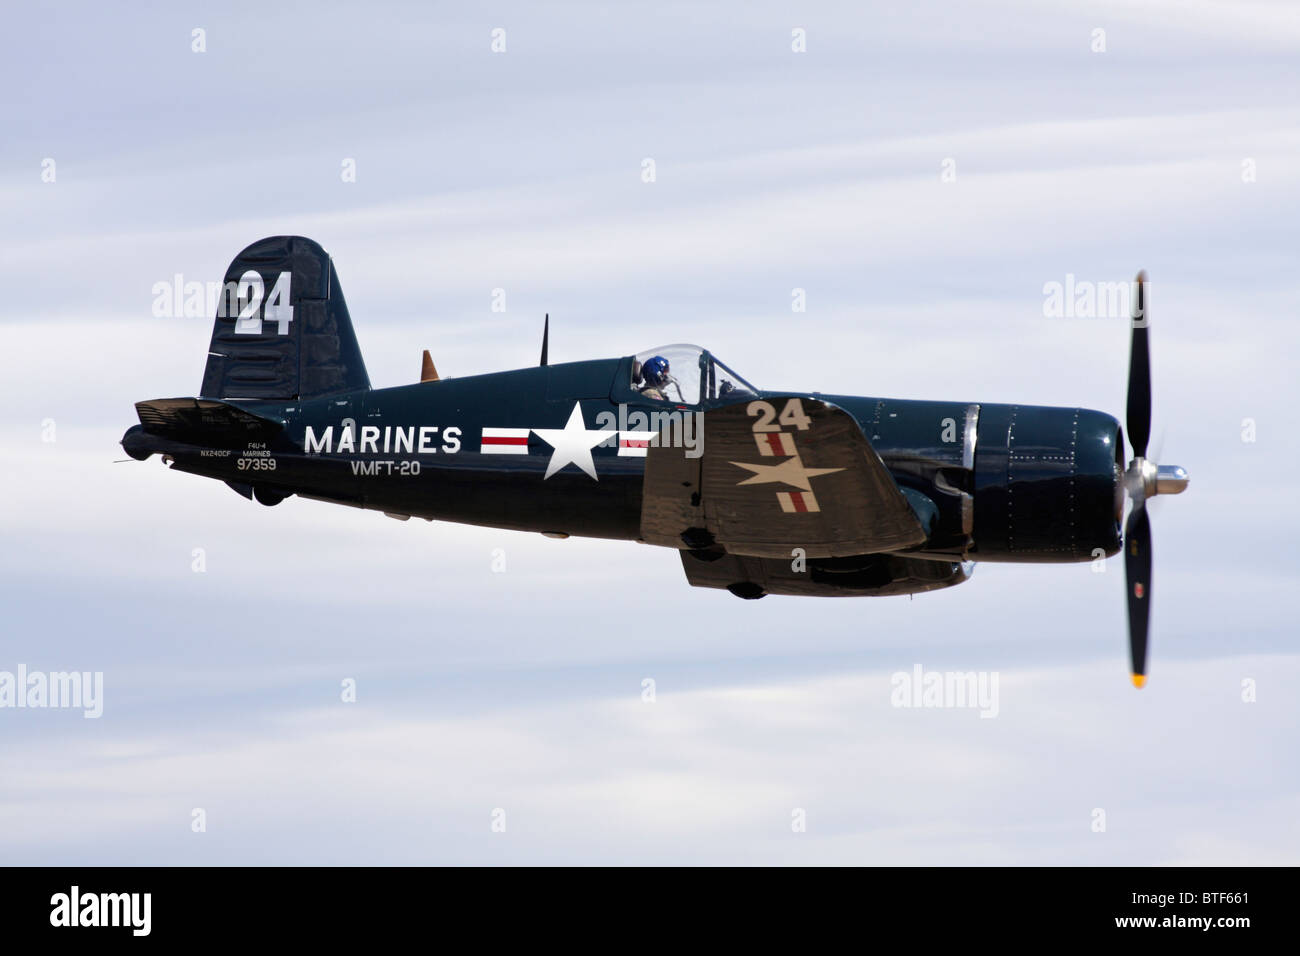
252, 312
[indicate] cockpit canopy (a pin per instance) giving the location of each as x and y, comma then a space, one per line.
693, 375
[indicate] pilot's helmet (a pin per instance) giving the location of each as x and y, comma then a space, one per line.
655, 371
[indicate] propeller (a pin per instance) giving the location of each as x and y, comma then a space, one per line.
1143, 479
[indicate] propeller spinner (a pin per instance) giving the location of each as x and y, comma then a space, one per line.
1142, 480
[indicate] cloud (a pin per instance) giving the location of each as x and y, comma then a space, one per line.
699, 775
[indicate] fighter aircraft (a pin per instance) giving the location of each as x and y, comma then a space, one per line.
760, 492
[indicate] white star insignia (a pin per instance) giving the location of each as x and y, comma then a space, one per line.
572, 444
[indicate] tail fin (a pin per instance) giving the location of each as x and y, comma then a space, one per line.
282, 329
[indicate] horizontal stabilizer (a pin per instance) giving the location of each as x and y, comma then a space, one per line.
206, 419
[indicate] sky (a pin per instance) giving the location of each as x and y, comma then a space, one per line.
922, 172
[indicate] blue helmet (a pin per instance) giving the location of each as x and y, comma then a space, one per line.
655, 371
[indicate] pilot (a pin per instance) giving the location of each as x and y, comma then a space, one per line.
654, 372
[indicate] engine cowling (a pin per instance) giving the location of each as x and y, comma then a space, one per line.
1048, 484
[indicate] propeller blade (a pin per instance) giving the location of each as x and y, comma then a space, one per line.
1137, 573
546, 338
1139, 375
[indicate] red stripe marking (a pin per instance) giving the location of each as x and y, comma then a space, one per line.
636, 443
796, 499
774, 442
487, 440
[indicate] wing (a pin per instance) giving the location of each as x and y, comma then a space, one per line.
771, 475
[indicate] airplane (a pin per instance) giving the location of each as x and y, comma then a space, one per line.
760, 492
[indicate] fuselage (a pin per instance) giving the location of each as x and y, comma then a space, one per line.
1005, 482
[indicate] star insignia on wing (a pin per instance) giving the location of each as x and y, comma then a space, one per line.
790, 472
